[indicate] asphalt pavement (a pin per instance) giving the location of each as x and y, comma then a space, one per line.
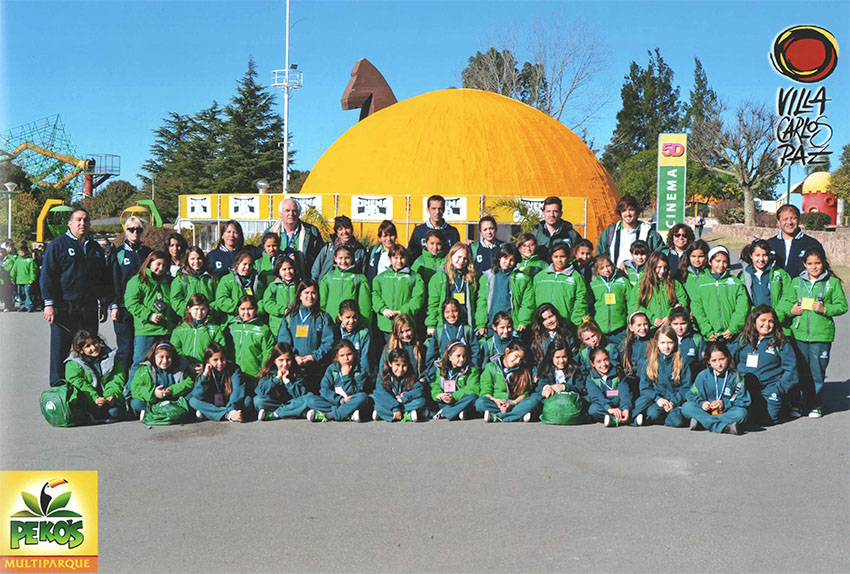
445, 496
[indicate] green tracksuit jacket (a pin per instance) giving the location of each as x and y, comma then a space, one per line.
143, 385
466, 384
191, 341
186, 284
610, 298
476, 315
658, 306
811, 326
139, 300
92, 385
720, 304
401, 290
566, 290
338, 285
493, 382
277, 298
249, 344
25, 271
229, 290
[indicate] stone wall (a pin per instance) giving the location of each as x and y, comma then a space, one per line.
835, 243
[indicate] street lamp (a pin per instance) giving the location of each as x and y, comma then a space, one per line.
11, 186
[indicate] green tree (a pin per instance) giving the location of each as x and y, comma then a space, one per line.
743, 149
112, 199
702, 96
249, 142
650, 106
839, 184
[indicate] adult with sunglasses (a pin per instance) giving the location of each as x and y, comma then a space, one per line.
617, 238
678, 238
124, 264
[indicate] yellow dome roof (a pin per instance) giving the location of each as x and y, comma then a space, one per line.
466, 143
817, 182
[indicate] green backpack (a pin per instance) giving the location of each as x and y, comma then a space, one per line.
562, 409
166, 412
61, 406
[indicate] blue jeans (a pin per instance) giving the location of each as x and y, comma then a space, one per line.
812, 361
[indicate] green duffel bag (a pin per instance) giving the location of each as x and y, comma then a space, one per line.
166, 412
61, 407
562, 409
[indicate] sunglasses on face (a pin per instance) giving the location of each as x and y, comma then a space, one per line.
133, 230
680, 234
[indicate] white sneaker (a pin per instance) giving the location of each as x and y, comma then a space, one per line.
414, 416
311, 415
694, 425
438, 415
526, 418
639, 420
487, 416
815, 414
199, 416
462, 416
607, 421
355, 417
142, 415
261, 415
795, 413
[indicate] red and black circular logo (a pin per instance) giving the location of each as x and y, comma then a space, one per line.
805, 53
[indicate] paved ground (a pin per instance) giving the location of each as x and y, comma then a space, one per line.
440, 496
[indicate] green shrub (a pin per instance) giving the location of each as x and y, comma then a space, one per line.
815, 221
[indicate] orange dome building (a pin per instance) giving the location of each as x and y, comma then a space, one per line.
472, 147
817, 198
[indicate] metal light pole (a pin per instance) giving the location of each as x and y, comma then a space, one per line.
287, 79
153, 187
10, 187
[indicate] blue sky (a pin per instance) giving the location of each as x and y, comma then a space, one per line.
114, 69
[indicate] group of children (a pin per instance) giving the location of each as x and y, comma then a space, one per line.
19, 273
431, 338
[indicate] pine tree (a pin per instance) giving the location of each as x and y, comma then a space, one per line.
702, 96
249, 143
650, 106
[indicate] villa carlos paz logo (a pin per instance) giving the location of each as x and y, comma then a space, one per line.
52, 521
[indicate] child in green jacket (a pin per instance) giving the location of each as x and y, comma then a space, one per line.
432, 258
249, 340
191, 279
24, 274
397, 290
820, 297
267, 261
456, 280
610, 292
147, 298
344, 282
240, 281
280, 293
767, 284
194, 334
161, 377
657, 293
506, 388
530, 262
721, 304
562, 286
94, 369
220, 393
455, 386
692, 265
635, 267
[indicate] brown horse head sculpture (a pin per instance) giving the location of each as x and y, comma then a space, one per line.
367, 90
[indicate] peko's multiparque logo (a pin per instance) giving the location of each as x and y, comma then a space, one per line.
52, 521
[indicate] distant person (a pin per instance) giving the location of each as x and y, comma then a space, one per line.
553, 230
436, 209
298, 239
790, 243
124, 264
76, 285
699, 225
25, 275
617, 238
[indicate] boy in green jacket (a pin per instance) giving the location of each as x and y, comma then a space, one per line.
562, 286
25, 274
249, 341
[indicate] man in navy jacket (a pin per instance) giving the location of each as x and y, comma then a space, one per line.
75, 285
790, 244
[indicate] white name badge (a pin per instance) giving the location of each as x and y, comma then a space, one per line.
752, 361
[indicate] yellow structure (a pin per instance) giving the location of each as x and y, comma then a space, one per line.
472, 147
